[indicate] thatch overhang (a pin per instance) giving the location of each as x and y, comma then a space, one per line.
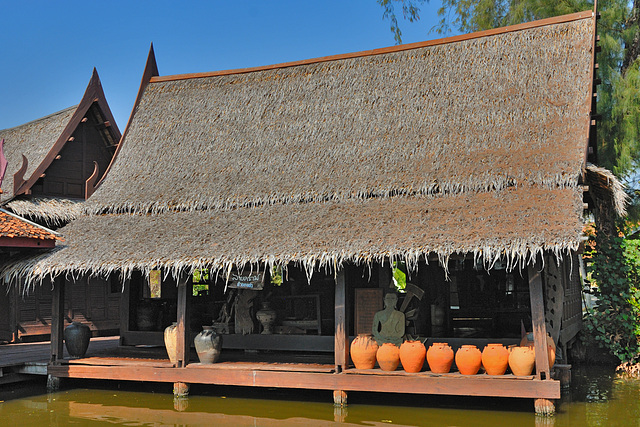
41, 141
513, 224
57, 211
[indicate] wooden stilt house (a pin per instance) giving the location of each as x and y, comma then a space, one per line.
53, 164
460, 163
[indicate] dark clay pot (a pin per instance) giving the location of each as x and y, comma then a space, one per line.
208, 345
76, 338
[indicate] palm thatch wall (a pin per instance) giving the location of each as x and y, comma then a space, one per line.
34, 140
469, 146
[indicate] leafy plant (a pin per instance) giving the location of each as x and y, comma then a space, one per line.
614, 320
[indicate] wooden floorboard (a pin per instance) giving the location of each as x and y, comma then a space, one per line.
40, 352
477, 385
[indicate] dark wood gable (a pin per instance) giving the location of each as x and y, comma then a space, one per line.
92, 144
82, 153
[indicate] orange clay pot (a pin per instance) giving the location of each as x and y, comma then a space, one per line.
495, 359
388, 357
527, 341
521, 361
468, 359
363, 351
412, 356
440, 358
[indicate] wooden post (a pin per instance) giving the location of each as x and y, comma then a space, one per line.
57, 320
341, 347
125, 310
541, 406
537, 316
183, 333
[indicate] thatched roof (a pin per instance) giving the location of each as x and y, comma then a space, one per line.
480, 114
474, 144
34, 140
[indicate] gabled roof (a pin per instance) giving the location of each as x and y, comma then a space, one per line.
478, 113
40, 141
19, 232
473, 144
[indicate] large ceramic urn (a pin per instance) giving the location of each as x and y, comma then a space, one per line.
412, 356
495, 359
76, 339
522, 360
208, 345
171, 342
267, 317
468, 360
440, 358
363, 351
388, 357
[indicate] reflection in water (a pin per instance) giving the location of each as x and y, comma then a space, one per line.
597, 398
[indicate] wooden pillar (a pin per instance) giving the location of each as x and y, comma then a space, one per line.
183, 333
543, 407
57, 320
537, 316
125, 310
341, 345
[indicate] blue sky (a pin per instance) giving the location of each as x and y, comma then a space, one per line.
48, 48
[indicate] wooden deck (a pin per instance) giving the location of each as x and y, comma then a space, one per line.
19, 362
287, 370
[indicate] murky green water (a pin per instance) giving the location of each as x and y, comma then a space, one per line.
597, 398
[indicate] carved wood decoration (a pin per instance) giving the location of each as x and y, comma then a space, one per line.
243, 308
89, 186
554, 296
18, 177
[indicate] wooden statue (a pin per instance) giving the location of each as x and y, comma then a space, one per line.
243, 308
388, 324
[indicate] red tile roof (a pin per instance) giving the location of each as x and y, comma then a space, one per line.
12, 226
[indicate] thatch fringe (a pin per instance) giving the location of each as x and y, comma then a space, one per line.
27, 274
514, 225
55, 212
604, 185
560, 181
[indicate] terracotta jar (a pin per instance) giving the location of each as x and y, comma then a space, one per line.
440, 358
468, 359
521, 360
171, 342
363, 351
388, 357
412, 356
208, 345
495, 359
527, 341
